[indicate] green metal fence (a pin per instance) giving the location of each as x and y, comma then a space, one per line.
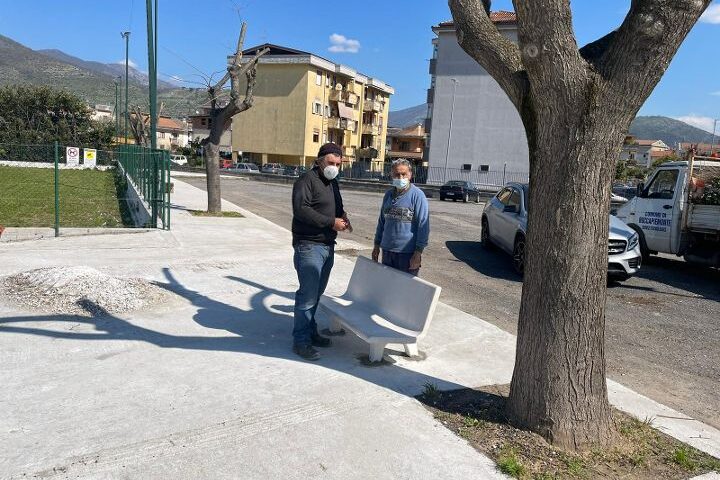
41, 188
148, 172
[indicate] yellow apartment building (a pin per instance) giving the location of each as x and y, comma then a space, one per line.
302, 101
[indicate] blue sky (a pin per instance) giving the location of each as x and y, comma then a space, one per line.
388, 39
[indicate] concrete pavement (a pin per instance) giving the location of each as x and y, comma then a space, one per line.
205, 386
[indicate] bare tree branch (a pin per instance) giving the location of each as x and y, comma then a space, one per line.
645, 43
236, 60
480, 38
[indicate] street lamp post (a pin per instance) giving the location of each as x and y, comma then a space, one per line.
452, 111
117, 118
712, 143
126, 36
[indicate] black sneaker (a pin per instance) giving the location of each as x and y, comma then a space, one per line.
307, 352
320, 341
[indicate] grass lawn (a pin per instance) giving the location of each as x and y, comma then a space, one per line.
88, 198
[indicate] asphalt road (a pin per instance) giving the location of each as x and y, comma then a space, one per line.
662, 326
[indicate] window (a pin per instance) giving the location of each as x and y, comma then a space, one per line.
324, 137
484, 168
466, 167
514, 199
317, 108
663, 185
504, 195
327, 110
318, 77
404, 146
316, 136
162, 134
203, 122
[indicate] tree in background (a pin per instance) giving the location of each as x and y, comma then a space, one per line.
42, 115
576, 105
221, 113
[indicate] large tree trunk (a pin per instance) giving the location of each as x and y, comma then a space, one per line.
558, 387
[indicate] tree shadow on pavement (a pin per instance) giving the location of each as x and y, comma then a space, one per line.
264, 329
490, 262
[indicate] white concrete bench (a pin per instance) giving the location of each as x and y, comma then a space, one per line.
383, 305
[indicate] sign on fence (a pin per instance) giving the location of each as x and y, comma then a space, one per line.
89, 157
72, 156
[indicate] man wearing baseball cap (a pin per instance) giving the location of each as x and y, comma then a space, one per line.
318, 214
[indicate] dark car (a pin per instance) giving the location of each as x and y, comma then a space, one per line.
294, 171
460, 190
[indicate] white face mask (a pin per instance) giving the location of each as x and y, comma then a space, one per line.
330, 172
400, 183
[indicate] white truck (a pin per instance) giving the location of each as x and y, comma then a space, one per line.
675, 211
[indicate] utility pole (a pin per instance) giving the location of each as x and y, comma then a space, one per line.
152, 67
126, 36
452, 111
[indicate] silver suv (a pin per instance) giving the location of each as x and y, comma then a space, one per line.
504, 224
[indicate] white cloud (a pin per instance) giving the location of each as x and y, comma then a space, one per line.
705, 123
130, 62
717, 94
712, 14
342, 44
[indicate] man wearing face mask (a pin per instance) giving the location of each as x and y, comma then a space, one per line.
318, 215
403, 227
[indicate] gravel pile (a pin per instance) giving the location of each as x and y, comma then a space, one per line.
79, 291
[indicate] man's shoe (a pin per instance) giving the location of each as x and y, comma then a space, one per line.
320, 341
306, 352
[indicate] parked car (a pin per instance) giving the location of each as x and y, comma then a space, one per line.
245, 168
274, 168
460, 190
178, 159
504, 223
294, 171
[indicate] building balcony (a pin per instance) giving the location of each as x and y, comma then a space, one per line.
348, 151
370, 129
430, 95
343, 96
415, 155
341, 123
433, 66
372, 106
428, 125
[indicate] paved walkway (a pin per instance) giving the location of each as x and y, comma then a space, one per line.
205, 386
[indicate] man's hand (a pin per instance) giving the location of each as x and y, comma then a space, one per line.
376, 253
348, 225
415, 261
340, 225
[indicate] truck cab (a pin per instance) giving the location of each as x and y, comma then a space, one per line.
665, 215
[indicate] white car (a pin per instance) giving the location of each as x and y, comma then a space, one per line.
178, 159
504, 223
244, 168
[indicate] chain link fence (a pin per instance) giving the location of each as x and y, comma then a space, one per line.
56, 186
436, 175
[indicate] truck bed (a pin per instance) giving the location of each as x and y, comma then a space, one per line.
704, 218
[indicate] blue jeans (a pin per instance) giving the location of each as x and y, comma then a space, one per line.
313, 262
399, 261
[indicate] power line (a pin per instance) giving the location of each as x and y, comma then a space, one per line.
204, 76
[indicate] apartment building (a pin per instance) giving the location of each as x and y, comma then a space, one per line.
201, 123
474, 129
302, 101
407, 143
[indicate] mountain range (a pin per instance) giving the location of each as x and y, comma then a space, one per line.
94, 82
669, 130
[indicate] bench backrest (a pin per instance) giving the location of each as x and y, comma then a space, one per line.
406, 301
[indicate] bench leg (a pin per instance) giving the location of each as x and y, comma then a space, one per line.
376, 352
411, 349
335, 326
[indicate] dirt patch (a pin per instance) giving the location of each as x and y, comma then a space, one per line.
203, 213
641, 452
79, 291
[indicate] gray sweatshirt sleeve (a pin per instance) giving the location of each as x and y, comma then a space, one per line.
422, 213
